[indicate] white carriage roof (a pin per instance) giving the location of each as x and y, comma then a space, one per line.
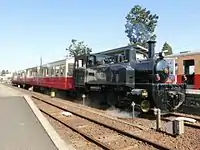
61, 61
188, 53
55, 62
31, 67
144, 50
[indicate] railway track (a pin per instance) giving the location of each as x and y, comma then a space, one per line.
195, 125
55, 113
136, 126
186, 115
87, 124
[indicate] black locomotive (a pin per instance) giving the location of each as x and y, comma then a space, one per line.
121, 78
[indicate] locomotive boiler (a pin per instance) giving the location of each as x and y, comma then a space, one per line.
121, 79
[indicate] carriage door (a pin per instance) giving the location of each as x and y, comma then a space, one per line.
189, 72
79, 72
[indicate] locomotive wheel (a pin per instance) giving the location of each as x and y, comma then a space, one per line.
145, 106
111, 98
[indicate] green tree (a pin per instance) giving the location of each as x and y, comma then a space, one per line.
3, 72
78, 48
167, 49
140, 25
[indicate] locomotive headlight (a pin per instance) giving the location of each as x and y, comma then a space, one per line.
173, 95
145, 105
144, 93
166, 70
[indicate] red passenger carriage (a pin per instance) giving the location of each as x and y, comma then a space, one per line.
54, 75
188, 64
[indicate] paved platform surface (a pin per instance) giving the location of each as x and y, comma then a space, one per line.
6, 91
21, 127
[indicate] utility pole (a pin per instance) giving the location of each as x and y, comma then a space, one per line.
40, 65
40, 61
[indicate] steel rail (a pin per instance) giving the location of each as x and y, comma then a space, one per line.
154, 144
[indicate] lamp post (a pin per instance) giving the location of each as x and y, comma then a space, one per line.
133, 109
83, 97
157, 112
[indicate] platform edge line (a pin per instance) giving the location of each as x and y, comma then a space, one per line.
54, 136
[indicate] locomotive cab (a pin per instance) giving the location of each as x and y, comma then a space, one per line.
108, 72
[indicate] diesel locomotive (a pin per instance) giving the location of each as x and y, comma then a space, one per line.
120, 79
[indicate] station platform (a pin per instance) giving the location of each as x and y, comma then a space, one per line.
23, 126
192, 91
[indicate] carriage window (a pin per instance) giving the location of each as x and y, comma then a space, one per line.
191, 69
29, 73
33, 74
41, 71
23, 74
52, 71
176, 68
140, 56
48, 72
100, 59
62, 70
57, 71
45, 71
70, 69
188, 66
90, 61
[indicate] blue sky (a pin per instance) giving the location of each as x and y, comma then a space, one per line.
30, 29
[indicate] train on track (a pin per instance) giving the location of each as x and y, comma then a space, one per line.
117, 77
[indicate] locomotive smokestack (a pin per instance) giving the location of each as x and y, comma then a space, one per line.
151, 45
